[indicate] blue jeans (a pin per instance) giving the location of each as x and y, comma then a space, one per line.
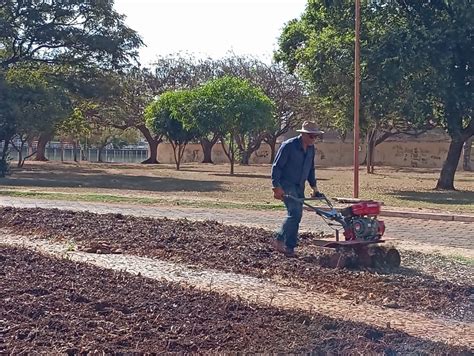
289, 230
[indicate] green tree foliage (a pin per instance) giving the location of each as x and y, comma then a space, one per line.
167, 116
231, 107
124, 109
445, 50
286, 90
9, 111
74, 128
36, 103
239, 110
320, 47
416, 66
59, 32
78, 34
181, 71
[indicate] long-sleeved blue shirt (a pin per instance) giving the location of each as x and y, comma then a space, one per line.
293, 165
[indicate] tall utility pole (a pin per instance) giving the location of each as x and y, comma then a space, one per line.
356, 98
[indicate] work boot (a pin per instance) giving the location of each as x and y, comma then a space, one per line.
289, 252
278, 245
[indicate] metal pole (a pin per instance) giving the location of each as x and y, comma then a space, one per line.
356, 97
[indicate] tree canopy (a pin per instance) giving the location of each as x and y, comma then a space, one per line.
58, 37
59, 32
241, 108
230, 107
170, 115
415, 65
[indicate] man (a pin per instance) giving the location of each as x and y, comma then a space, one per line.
293, 166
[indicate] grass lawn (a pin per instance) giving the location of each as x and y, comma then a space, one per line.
204, 185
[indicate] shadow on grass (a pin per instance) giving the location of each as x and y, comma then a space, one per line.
437, 197
92, 179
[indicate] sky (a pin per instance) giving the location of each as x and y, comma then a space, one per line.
209, 28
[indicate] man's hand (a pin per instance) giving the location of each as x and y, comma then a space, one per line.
278, 193
316, 193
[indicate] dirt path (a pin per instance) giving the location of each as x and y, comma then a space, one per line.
449, 238
264, 292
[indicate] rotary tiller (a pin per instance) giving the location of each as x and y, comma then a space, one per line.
362, 235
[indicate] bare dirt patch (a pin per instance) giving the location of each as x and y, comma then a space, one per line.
59, 306
242, 250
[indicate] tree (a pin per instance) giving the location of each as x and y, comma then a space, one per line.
76, 32
417, 63
178, 71
39, 103
285, 89
9, 110
319, 46
467, 154
182, 71
445, 31
82, 86
101, 136
74, 128
243, 110
168, 114
132, 91
186, 72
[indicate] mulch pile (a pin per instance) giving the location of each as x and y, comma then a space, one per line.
54, 305
241, 250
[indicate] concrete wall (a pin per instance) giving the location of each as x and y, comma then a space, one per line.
413, 154
391, 153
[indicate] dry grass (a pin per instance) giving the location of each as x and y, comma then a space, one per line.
211, 185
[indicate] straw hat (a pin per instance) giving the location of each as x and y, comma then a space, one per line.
310, 127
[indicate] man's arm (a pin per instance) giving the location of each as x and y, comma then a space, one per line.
279, 164
277, 171
312, 178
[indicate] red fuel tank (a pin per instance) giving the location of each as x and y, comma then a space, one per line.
366, 208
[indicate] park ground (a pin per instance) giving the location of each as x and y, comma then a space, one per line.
207, 185
131, 258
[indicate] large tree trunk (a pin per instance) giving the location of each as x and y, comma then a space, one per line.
20, 155
446, 178
466, 164
246, 150
100, 154
152, 144
271, 141
74, 150
207, 148
41, 149
247, 154
245, 157
5, 149
62, 151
